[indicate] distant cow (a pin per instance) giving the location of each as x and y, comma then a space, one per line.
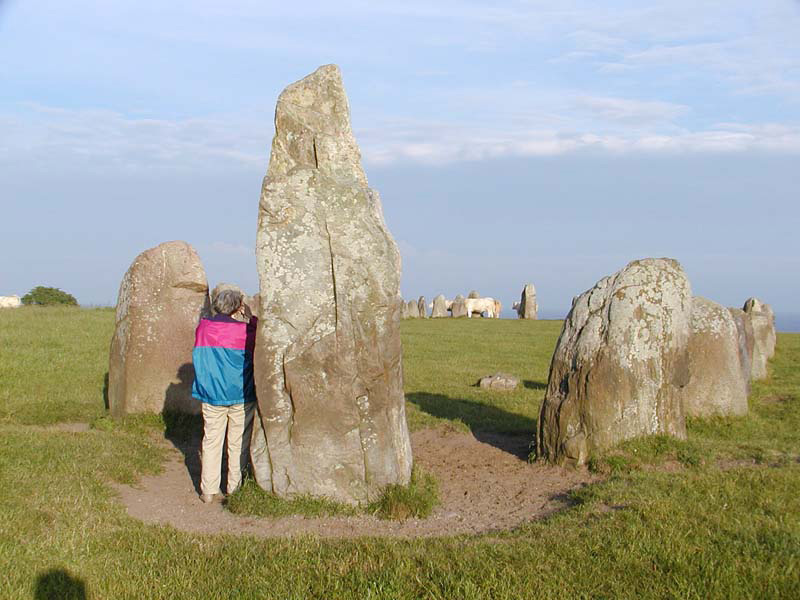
490, 306
10, 302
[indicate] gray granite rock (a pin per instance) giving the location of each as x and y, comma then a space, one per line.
439, 308
422, 310
499, 381
717, 383
746, 342
621, 363
764, 336
527, 308
328, 364
473, 295
459, 307
161, 299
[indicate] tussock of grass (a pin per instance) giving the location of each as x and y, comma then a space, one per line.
250, 499
400, 502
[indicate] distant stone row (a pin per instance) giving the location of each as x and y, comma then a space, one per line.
638, 354
472, 305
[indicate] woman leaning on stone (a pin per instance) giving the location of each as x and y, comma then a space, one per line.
223, 366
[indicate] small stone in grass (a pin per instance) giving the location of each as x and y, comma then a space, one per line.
499, 381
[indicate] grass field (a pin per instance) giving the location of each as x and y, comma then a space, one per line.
717, 516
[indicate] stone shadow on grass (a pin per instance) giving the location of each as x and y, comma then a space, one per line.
58, 584
185, 432
534, 385
507, 431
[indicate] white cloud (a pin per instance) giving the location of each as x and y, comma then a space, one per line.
632, 111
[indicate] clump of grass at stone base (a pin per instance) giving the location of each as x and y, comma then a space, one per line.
417, 499
397, 502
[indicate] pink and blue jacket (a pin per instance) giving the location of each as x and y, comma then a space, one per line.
223, 361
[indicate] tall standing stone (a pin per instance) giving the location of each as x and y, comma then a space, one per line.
620, 364
528, 308
746, 342
161, 299
439, 308
718, 385
421, 308
328, 362
459, 307
764, 337
412, 309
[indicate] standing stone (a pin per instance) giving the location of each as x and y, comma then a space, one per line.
161, 299
718, 385
412, 309
746, 342
423, 310
764, 337
527, 307
439, 309
328, 363
620, 364
459, 307
474, 295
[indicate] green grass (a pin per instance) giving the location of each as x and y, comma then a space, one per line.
250, 499
445, 358
397, 502
417, 499
722, 522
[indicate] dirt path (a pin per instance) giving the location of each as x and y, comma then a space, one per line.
485, 485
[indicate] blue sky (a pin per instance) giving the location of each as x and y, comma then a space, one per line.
510, 142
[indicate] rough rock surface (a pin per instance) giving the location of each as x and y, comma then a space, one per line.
746, 341
528, 308
421, 308
439, 309
499, 381
473, 294
412, 310
717, 383
764, 337
620, 364
459, 308
328, 361
161, 299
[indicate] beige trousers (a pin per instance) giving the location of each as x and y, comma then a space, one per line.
238, 420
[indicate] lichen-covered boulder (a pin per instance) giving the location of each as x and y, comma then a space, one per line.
745, 341
459, 307
422, 310
328, 362
161, 299
439, 308
717, 383
620, 364
764, 336
527, 308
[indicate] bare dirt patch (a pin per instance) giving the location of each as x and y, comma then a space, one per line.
485, 485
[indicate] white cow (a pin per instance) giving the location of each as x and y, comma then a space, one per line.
10, 302
490, 306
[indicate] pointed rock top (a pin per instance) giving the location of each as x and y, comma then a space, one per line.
312, 129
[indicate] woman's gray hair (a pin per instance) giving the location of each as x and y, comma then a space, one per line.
227, 302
